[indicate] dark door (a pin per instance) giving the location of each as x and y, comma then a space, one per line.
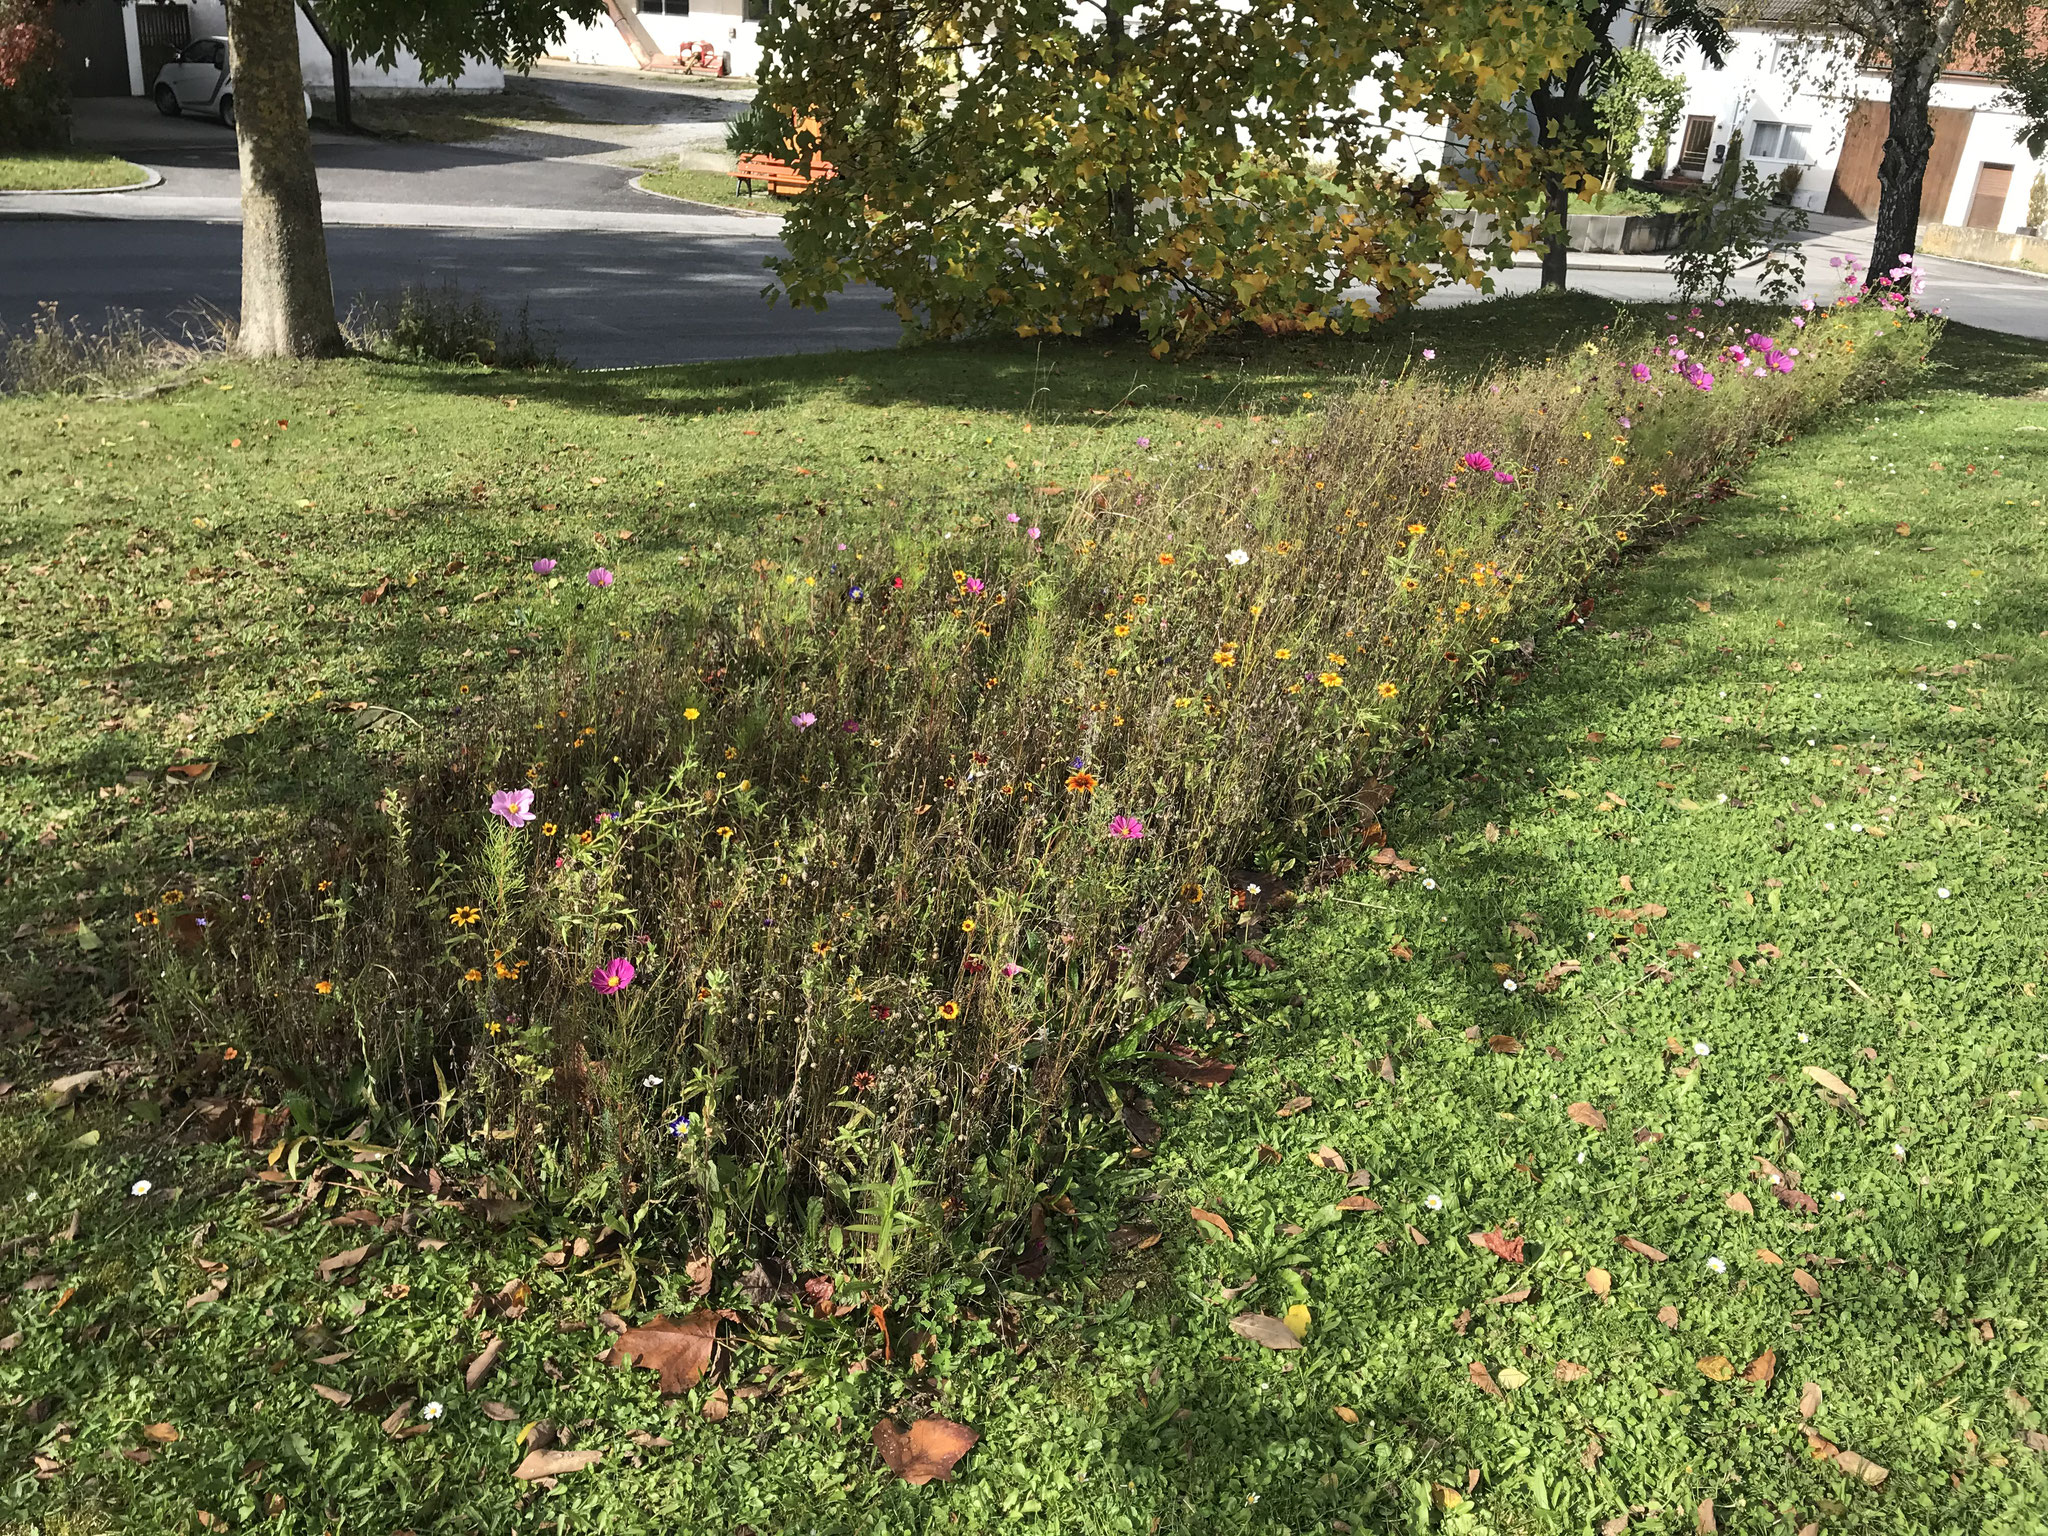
163, 31
1987, 206
1692, 149
95, 46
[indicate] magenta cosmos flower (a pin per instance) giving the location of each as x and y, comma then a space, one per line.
515, 805
804, 721
543, 567
613, 975
974, 584
1478, 461
1128, 828
600, 577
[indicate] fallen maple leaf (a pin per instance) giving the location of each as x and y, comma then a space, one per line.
1587, 1116
1261, 1329
927, 1450
679, 1351
539, 1464
1211, 1219
1499, 1244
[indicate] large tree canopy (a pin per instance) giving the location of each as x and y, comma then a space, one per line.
1040, 167
442, 34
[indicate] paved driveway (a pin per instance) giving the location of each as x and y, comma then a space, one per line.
545, 219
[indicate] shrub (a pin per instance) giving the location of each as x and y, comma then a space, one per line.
850, 898
35, 106
420, 324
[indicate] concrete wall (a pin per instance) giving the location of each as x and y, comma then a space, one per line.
717, 22
1983, 245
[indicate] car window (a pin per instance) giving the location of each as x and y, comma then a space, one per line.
220, 55
200, 52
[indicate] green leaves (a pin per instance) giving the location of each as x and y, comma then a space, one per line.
1058, 178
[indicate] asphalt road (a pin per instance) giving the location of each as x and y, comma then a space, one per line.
546, 220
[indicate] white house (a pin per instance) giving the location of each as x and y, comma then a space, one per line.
650, 34
1807, 111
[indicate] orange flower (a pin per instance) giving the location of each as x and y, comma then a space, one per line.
1658, 490
1388, 690
323, 987
1081, 783
472, 974
1165, 559
949, 1009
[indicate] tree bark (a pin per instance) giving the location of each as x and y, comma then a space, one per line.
1557, 204
287, 296
1924, 31
337, 55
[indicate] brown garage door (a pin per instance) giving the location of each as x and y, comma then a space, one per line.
1987, 205
1855, 190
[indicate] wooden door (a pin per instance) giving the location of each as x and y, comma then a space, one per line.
1692, 149
1987, 205
1854, 192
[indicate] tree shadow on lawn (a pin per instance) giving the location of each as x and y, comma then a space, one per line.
1082, 378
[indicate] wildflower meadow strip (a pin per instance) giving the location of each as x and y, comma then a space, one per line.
833, 894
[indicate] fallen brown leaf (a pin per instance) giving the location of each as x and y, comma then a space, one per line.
1809, 1400
1261, 1329
338, 1263
699, 1270
1638, 1246
1482, 1378
1703, 1518
501, 1413
1202, 1072
1765, 1256
717, 1406
1295, 1106
1829, 1081
1668, 1316
1510, 1298
1587, 1116
1615, 1527
1499, 1244
1569, 1370
680, 1351
1760, 1370
1211, 1219
1599, 1281
480, 1367
1416, 1237
1862, 1468
539, 1464
334, 1395
161, 1434
1348, 1415
1330, 1158
1358, 1203
1716, 1368
1505, 1045
1806, 1283
927, 1450
1740, 1203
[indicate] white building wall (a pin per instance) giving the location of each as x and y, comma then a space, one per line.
210, 19
717, 22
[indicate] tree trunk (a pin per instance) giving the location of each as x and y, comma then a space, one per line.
287, 298
1557, 204
337, 55
1917, 50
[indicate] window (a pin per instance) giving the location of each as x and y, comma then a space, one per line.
664, 7
754, 10
1779, 141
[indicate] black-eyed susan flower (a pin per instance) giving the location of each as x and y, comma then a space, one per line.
1330, 679
1387, 690
464, 917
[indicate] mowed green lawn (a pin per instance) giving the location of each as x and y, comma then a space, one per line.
66, 171
1770, 885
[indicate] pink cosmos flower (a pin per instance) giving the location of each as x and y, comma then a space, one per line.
600, 577
515, 805
1478, 461
1641, 373
1429, 354
804, 721
1015, 518
974, 583
1129, 828
1034, 533
1012, 968
1502, 477
613, 975
543, 567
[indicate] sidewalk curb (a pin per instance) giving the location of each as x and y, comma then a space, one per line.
670, 197
1989, 266
155, 179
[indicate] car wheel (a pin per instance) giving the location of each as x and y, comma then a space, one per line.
167, 101
227, 110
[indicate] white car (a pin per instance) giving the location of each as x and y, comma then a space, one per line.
197, 80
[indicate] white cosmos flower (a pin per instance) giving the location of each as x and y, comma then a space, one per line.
650, 1081
1718, 1265
1434, 1202
139, 1188
1237, 557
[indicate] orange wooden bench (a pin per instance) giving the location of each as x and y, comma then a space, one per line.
780, 177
